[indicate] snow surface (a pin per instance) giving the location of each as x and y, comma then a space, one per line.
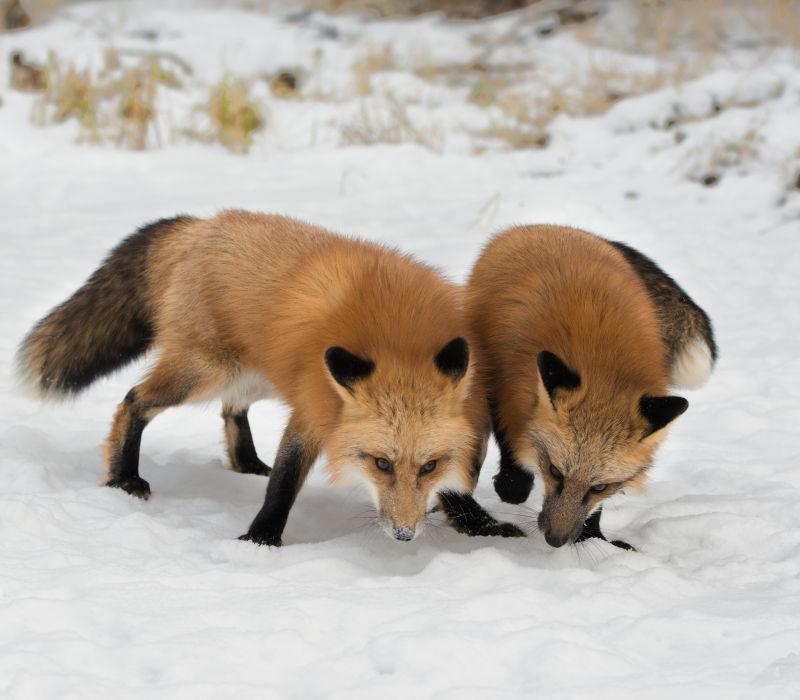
105, 596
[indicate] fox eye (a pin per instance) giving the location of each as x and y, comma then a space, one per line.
598, 488
556, 473
384, 465
427, 468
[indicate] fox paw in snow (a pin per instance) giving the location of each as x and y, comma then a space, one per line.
256, 467
262, 540
505, 530
623, 545
513, 484
134, 485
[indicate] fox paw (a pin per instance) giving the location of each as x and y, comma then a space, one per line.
513, 484
506, 530
256, 467
623, 545
261, 540
134, 485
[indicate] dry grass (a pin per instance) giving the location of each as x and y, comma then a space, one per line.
235, 117
69, 93
704, 26
708, 162
731, 153
528, 111
376, 59
456, 9
514, 135
117, 103
388, 123
794, 170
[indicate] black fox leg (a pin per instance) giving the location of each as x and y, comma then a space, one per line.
142, 403
513, 483
467, 516
292, 464
239, 442
591, 528
122, 450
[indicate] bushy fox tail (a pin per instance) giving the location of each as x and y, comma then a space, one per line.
104, 325
686, 328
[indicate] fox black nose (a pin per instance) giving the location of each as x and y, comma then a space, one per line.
554, 541
404, 534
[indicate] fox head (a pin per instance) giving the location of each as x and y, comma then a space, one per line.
404, 431
589, 441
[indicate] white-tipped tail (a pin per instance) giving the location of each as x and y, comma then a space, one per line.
692, 366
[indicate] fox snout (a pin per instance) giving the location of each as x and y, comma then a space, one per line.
404, 533
402, 513
401, 533
561, 521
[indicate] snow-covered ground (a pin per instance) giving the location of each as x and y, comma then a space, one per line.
105, 596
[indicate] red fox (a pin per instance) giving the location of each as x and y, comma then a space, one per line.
367, 346
582, 338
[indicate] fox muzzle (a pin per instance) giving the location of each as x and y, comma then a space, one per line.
561, 521
404, 534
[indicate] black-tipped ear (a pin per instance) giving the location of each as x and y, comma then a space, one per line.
555, 374
659, 411
347, 368
453, 359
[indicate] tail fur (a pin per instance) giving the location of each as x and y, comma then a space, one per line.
686, 328
100, 328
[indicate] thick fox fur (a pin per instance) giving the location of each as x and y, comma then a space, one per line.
582, 339
368, 347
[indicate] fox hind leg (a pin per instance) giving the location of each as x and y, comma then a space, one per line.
162, 389
239, 443
122, 449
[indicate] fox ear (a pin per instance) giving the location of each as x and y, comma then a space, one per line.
347, 368
556, 375
659, 411
453, 359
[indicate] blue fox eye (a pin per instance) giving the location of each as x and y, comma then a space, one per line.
384, 465
428, 467
598, 488
556, 473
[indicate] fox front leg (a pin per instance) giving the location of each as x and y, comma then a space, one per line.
591, 528
513, 483
295, 456
466, 515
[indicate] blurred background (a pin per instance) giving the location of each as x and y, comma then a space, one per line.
448, 75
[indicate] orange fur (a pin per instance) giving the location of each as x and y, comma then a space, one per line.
244, 306
271, 294
558, 289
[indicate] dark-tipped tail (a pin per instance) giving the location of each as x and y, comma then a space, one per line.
104, 325
686, 328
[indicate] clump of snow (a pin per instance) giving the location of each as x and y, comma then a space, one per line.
102, 595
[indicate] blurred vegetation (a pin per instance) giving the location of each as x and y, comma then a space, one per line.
661, 43
235, 115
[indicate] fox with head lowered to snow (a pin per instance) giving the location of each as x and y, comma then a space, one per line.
367, 346
582, 338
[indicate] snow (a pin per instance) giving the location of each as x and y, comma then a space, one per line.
105, 596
